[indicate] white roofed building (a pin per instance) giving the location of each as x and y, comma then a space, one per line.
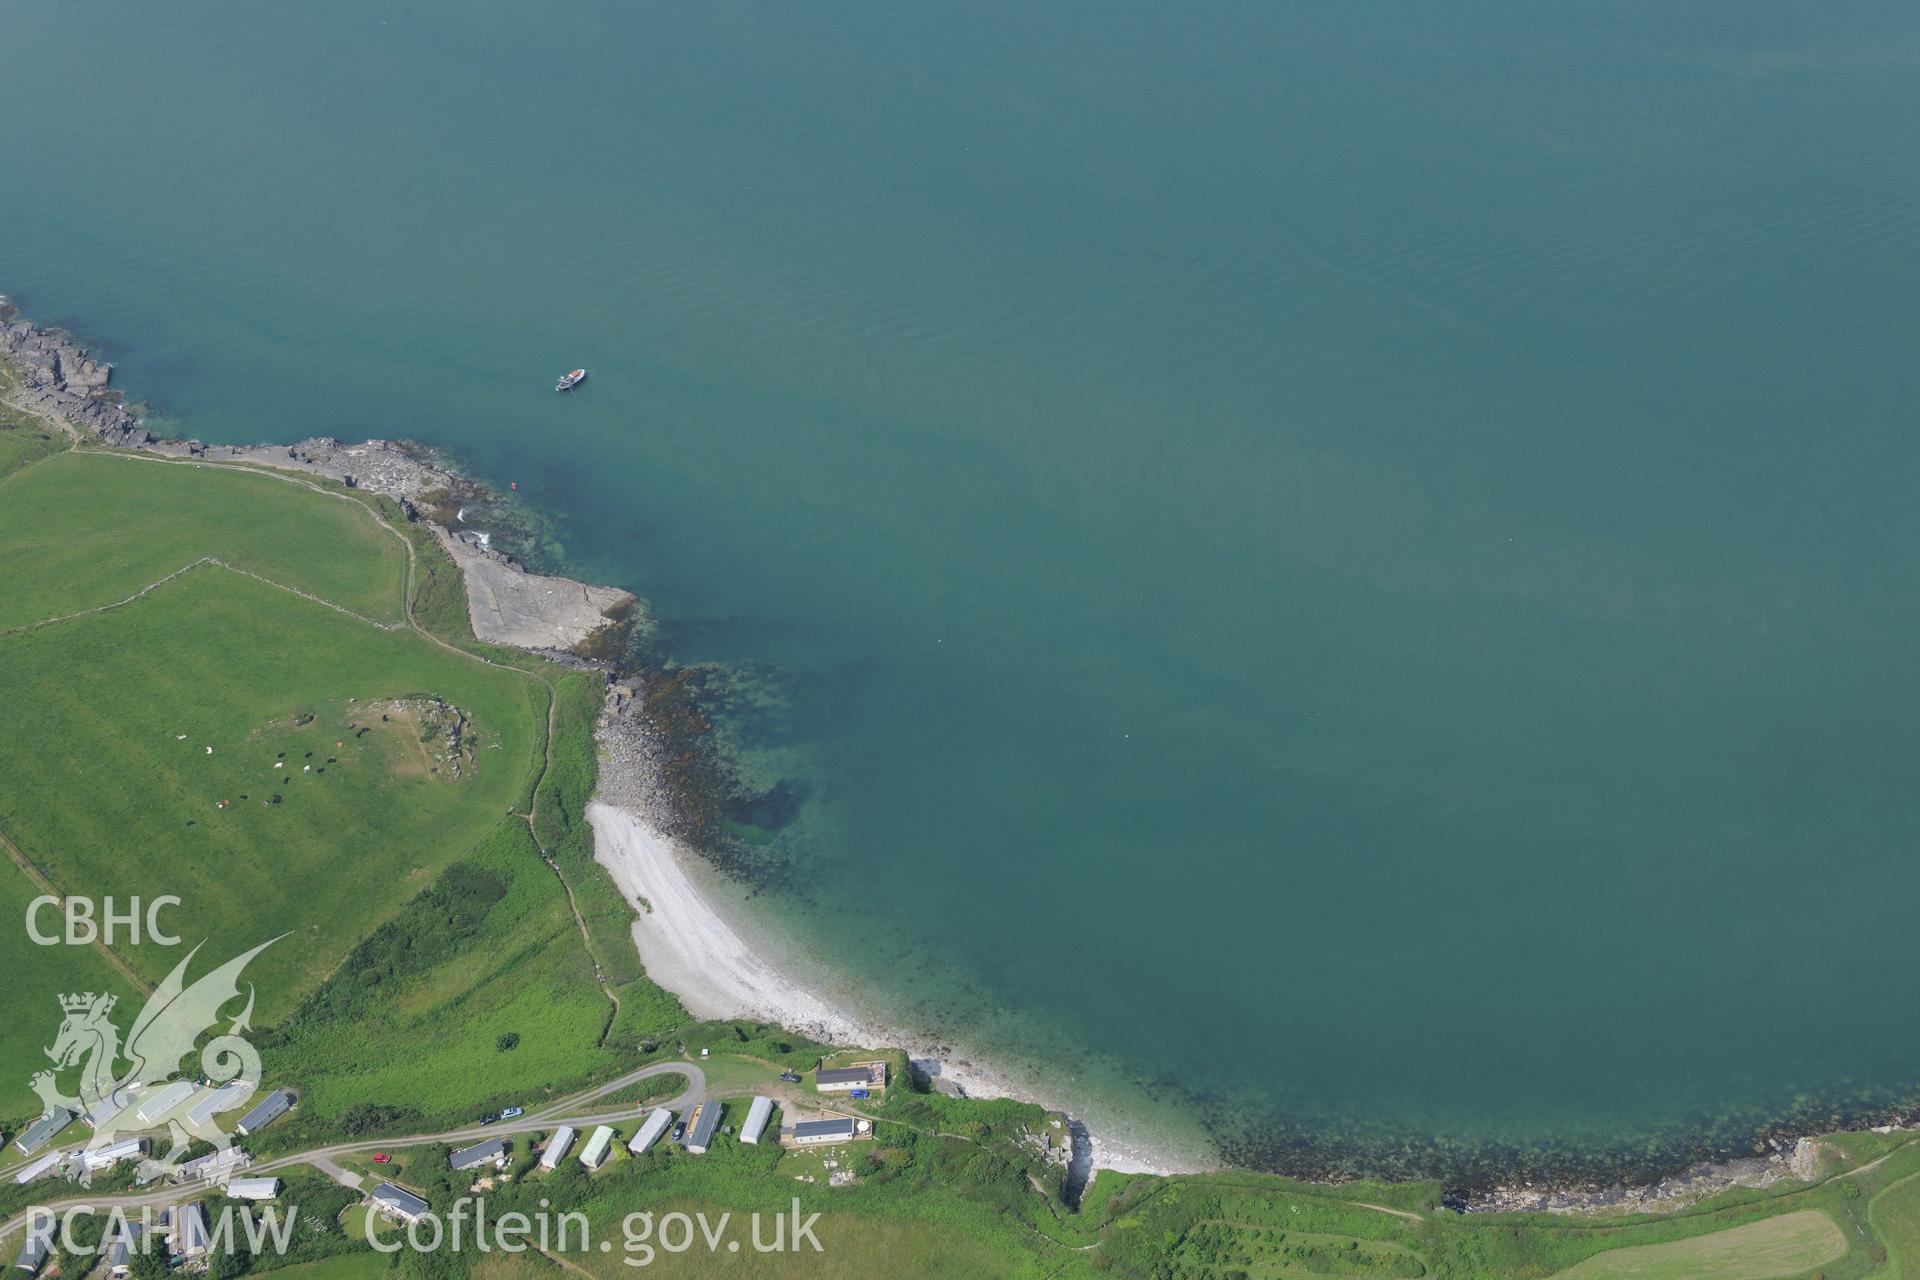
655, 1125
158, 1105
756, 1122
557, 1146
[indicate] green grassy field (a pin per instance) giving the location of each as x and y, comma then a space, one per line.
85, 529
1894, 1216
335, 811
1784, 1246
348, 1266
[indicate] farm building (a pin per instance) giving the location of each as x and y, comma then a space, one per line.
836, 1129
190, 1237
44, 1165
557, 1147
656, 1124
266, 1111
399, 1203
489, 1152
215, 1101
756, 1122
156, 1106
44, 1130
253, 1188
594, 1154
706, 1122
113, 1153
33, 1252
861, 1075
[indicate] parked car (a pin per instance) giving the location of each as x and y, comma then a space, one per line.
790, 1077
381, 1157
860, 1093
680, 1131
490, 1117
513, 1113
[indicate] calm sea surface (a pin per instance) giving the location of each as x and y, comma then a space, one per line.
1352, 564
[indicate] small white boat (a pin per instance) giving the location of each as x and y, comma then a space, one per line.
568, 381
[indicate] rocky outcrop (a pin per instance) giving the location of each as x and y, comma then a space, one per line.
60, 381
506, 604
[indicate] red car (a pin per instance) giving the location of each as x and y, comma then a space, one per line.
381, 1157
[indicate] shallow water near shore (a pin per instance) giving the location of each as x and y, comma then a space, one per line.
1351, 564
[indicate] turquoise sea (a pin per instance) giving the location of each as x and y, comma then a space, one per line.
1344, 568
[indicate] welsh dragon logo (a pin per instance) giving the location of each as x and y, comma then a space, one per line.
167, 1031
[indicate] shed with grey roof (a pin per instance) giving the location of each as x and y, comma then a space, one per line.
478, 1154
44, 1130
266, 1111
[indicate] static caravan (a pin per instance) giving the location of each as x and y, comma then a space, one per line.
480, 1153
155, 1107
44, 1130
113, 1153
706, 1122
756, 1123
253, 1188
44, 1165
594, 1154
657, 1123
397, 1202
557, 1147
215, 1101
265, 1112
